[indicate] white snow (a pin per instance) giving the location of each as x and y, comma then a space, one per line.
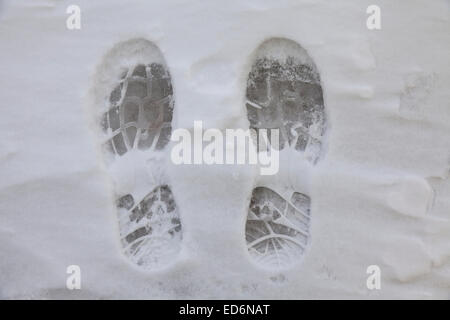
380, 193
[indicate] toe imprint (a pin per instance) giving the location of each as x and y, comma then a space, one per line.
141, 107
285, 94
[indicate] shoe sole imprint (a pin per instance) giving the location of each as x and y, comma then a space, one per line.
139, 118
283, 92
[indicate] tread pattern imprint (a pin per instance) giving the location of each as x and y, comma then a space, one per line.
139, 119
283, 92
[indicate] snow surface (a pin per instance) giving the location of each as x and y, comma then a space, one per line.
380, 193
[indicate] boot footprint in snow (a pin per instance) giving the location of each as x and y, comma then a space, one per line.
136, 127
284, 93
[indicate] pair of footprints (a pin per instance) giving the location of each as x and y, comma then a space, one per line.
283, 92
